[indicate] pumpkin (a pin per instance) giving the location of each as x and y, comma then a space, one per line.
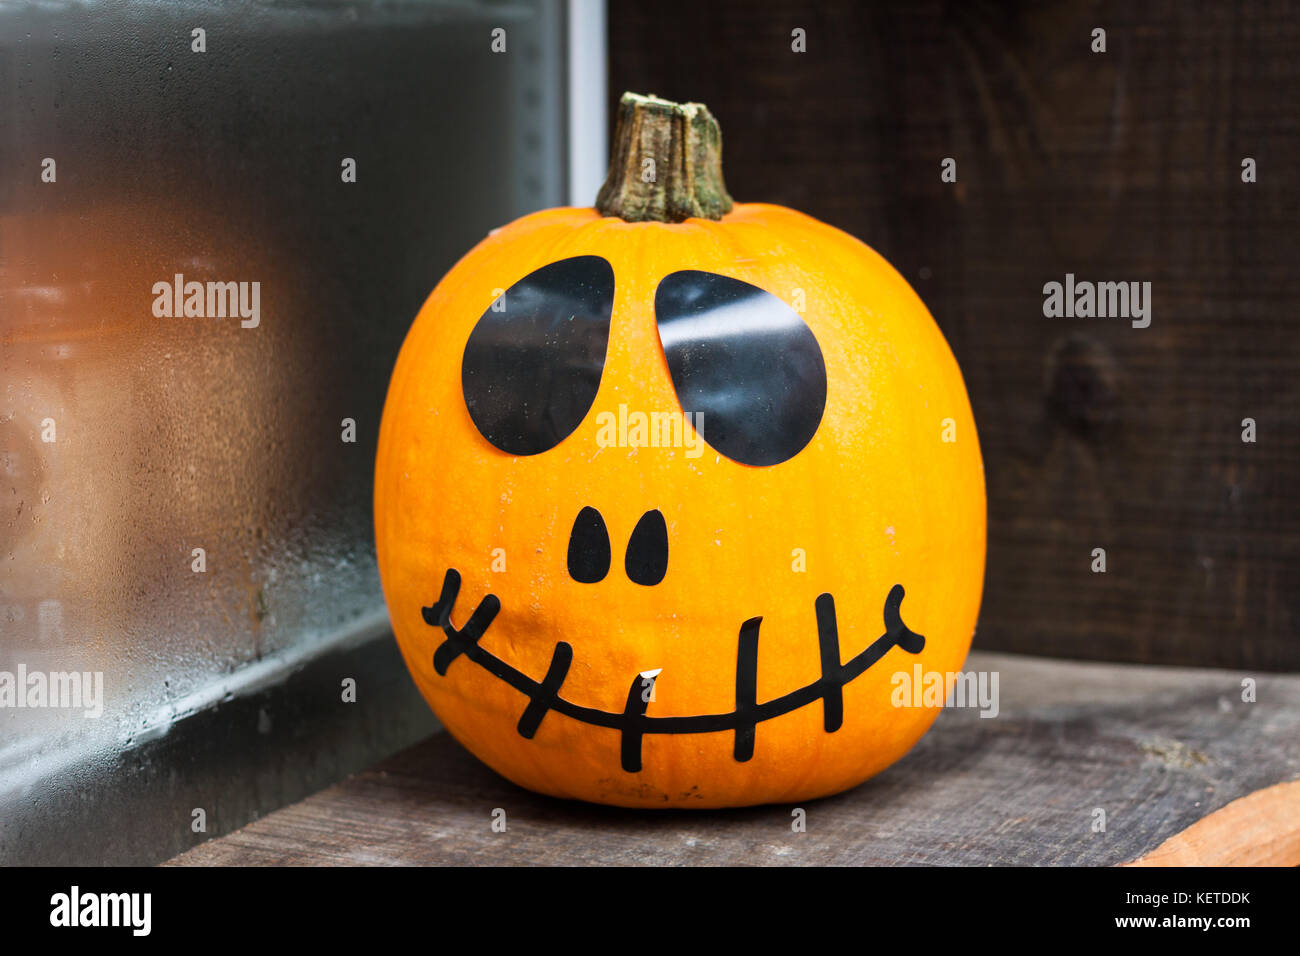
674, 494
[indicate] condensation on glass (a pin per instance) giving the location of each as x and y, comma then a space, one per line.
179, 500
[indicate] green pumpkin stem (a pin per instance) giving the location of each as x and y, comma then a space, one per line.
685, 180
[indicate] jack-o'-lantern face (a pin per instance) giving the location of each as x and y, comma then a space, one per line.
649, 499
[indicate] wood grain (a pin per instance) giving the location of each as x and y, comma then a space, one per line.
1155, 749
1260, 829
1114, 167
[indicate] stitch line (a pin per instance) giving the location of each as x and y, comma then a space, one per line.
633, 722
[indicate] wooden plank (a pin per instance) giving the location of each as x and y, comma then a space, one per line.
1114, 167
1259, 829
1156, 749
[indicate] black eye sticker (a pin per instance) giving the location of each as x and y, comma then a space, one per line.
533, 362
745, 361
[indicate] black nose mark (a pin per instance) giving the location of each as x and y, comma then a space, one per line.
647, 550
588, 547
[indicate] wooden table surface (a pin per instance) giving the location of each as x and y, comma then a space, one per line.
1156, 749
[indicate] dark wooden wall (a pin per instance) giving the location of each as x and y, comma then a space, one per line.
1117, 166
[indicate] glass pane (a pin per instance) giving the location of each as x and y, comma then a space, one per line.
200, 313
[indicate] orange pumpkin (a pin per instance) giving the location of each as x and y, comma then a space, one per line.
669, 491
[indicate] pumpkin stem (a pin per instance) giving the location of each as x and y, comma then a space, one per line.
666, 163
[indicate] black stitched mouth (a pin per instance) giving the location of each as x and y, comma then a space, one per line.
633, 723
